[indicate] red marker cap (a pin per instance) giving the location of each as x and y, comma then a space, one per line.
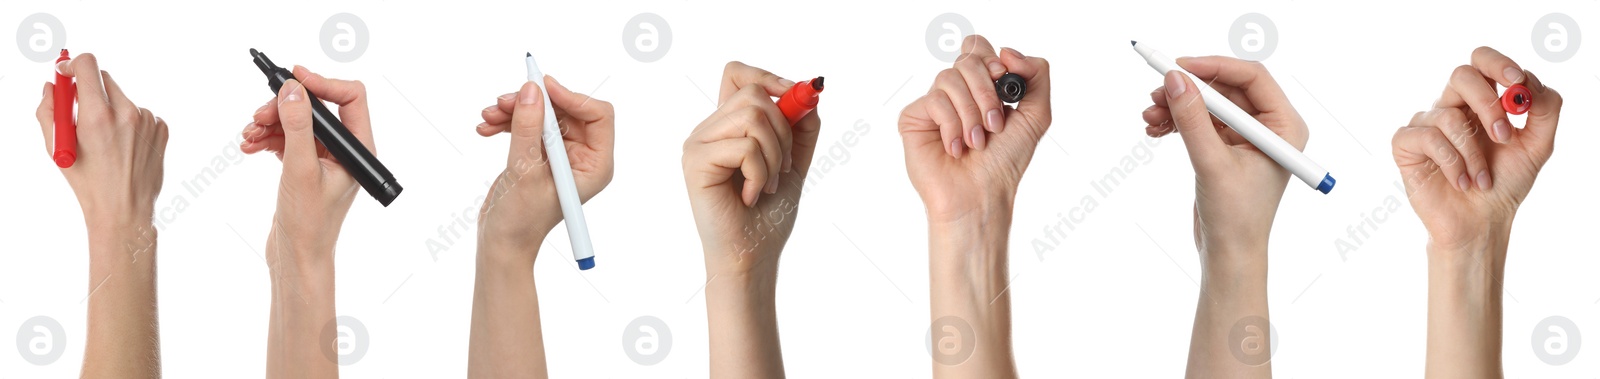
1517, 99
800, 99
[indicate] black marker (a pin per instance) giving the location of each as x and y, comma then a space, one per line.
348, 150
1011, 87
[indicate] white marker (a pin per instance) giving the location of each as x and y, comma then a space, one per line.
1264, 139
561, 170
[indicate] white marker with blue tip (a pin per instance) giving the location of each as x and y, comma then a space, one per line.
1264, 139
561, 171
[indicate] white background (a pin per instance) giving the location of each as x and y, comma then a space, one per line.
1117, 299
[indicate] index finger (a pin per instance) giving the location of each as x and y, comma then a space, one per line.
91, 91
350, 95
1252, 77
1496, 66
736, 75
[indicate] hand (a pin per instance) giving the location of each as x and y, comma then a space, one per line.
744, 167
1466, 169
969, 195
118, 172
116, 178
522, 207
315, 192
960, 113
1237, 187
1237, 190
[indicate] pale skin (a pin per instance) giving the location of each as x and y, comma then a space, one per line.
966, 153
314, 195
744, 167
1237, 191
517, 215
116, 179
1466, 171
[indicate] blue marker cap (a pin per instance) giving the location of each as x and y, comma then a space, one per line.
1325, 186
588, 263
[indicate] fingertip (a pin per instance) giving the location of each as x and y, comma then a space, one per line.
1176, 85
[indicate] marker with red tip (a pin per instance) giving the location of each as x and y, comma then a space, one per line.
1517, 99
800, 99
66, 133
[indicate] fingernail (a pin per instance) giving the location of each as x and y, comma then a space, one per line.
1462, 183
1483, 180
786, 82
489, 108
995, 66
995, 121
750, 198
263, 108
294, 93
956, 147
508, 97
1513, 74
978, 139
1014, 52
1502, 131
788, 164
250, 131
61, 67
1175, 85
526, 96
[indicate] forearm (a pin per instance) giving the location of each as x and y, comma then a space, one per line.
1233, 294
506, 340
743, 324
302, 327
1464, 305
970, 294
123, 336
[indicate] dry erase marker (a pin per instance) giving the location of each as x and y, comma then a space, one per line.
66, 133
1264, 139
336, 138
561, 170
1517, 99
800, 99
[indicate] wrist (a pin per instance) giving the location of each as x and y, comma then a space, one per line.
988, 203
1235, 264
114, 245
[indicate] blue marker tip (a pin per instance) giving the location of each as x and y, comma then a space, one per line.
588, 263
1326, 185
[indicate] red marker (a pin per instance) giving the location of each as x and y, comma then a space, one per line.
1517, 99
800, 99
66, 132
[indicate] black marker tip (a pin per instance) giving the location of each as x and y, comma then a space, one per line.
253, 52
816, 84
1134, 43
530, 54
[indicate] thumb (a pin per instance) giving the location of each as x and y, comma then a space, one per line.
299, 145
527, 127
1193, 121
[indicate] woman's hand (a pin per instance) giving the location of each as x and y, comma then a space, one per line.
1237, 187
965, 150
1237, 190
116, 178
522, 206
744, 167
966, 153
314, 195
517, 214
1466, 169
